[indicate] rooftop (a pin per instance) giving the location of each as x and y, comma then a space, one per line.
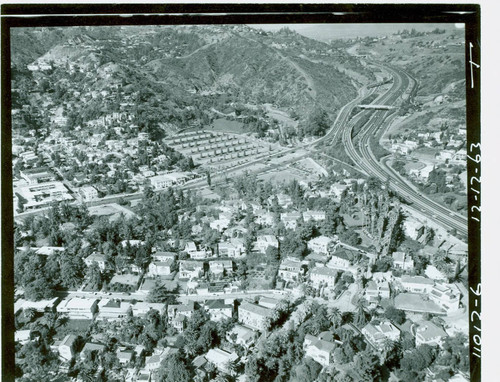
256, 309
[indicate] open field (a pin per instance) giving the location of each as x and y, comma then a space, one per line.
227, 126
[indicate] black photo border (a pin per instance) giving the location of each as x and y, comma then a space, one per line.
37, 15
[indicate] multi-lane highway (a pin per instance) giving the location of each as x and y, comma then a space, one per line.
362, 155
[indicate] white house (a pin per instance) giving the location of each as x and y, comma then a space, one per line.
242, 335
190, 269
221, 359
66, 347
323, 275
88, 193
426, 332
161, 268
402, 261
289, 219
219, 267
253, 315
378, 334
313, 215
416, 284
446, 297
78, 308
319, 350
265, 241
290, 269
97, 258
319, 244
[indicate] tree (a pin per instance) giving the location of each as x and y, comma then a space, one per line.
367, 366
360, 318
395, 315
160, 293
174, 368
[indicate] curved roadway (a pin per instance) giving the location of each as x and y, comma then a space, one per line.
364, 158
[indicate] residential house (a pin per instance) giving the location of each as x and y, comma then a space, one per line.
218, 309
284, 200
253, 315
242, 335
378, 334
429, 333
375, 290
78, 308
290, 269
189, 269
164, 256
319, 350
140, 308
41, 306
89, 348
97, 258
339, 260
320, 244
268, 302
128, 279
222, 222
314, 215
403, 261
323, 276
264, 217
88, 193
221, 267
112, 309
228, 249
201, 254
177, 314
446, 297
435, 274
124, 356
290, 219
221, 359
265, 241
416, 284
190, 247
66, 348
153, 362
161, 268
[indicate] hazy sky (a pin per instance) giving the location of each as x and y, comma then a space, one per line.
325, 32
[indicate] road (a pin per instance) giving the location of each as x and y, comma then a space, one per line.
362, 155
181, 297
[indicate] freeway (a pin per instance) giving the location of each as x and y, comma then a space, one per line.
362, 155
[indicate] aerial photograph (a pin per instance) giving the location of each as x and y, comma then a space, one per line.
240, 203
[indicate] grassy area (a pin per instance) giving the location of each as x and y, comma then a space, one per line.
227, 126
77, 327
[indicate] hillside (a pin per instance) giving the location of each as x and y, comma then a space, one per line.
200, 67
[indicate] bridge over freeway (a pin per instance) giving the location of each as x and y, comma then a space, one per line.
377, 107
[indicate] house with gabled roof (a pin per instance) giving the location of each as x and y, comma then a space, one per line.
319, 349
218, 309
427, 332
377, 334
242, 335
403, 261
253, 315
221, 358
323, 276
66, 348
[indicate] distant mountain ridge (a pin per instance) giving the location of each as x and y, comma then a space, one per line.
251, 66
